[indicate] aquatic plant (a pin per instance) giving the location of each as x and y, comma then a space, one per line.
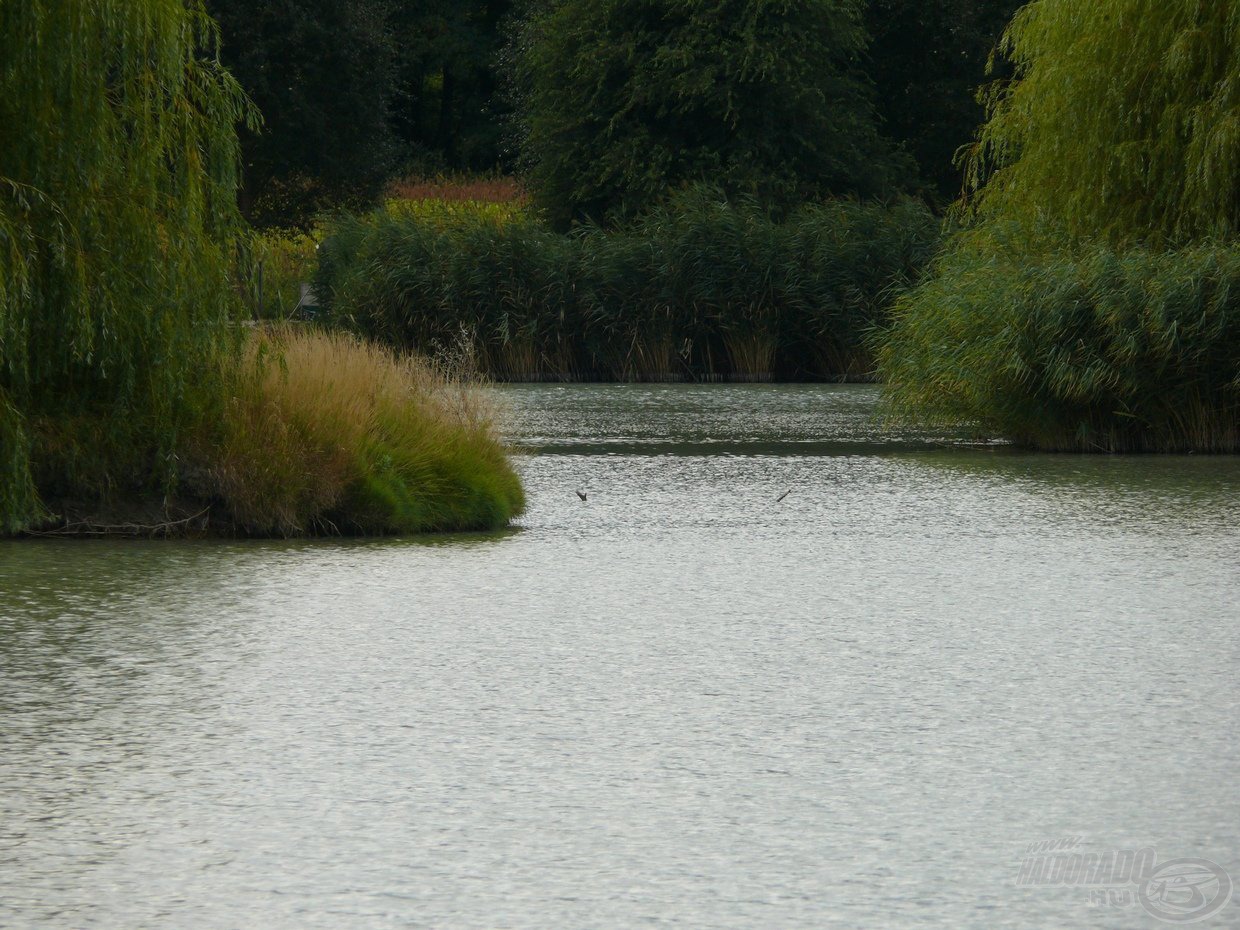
701, 288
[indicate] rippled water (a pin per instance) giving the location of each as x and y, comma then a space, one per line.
678, 703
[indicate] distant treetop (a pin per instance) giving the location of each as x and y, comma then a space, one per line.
622, 101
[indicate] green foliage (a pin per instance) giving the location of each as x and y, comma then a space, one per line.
1123, 122
622, 102
702, 288
116, 200
1096, 350
1092, 302
353, 91
269, 267
449, 111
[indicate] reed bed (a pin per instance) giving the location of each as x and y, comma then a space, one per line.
325, 433
1099, 350
702, 289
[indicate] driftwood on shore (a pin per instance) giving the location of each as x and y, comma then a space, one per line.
198, 522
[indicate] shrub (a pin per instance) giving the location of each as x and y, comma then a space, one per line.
269, 268
471, 189
1098, 350
326, 433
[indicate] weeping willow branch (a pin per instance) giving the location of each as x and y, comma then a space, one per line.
1123, 121
117, 199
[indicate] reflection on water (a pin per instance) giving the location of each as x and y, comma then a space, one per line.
697, 419
678, 702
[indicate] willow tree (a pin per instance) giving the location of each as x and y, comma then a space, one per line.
1094, 302
1123, 121
118, 171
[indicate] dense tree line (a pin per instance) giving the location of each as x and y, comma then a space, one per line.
624, 100
355, 91
927, 59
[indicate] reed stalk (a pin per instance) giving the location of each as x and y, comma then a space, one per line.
704, 288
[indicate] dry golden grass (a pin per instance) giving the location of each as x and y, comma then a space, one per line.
459, 190
324, 432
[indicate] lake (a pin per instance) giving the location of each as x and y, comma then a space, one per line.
678, 703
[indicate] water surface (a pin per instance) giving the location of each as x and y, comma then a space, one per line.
678, 703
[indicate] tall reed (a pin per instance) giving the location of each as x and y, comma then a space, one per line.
1094, 350
703, 288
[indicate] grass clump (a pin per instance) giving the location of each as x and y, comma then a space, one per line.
325, 433
1097, 349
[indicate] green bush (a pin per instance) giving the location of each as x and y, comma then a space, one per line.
701, 288
1094, 350
269, 266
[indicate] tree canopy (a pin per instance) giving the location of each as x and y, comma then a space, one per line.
928, 58
323, 74
782, 96
448, 110
353, 91
624, 100
1123, 121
